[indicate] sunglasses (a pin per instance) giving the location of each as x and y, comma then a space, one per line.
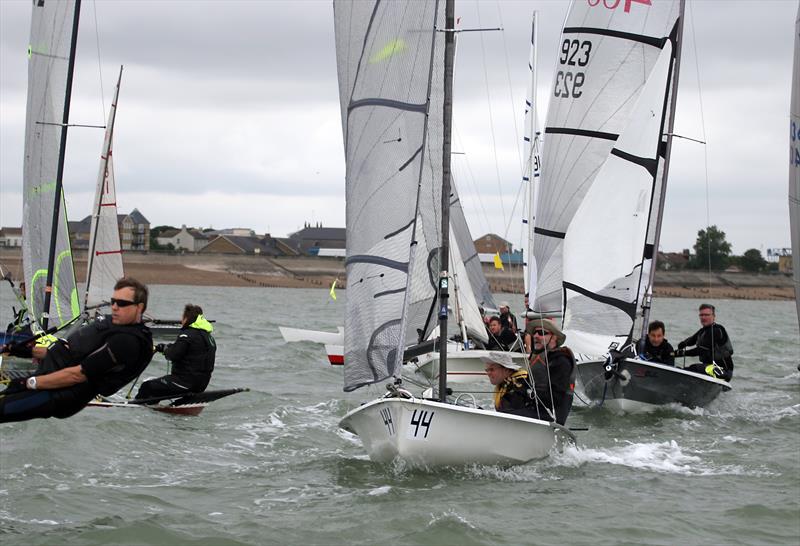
541, 333
122, 303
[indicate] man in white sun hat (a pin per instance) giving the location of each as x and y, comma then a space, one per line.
511, 386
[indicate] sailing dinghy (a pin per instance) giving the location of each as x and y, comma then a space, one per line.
395, 62
599, 209
187, 404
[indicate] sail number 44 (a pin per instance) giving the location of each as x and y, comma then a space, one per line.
574, 56
420, 425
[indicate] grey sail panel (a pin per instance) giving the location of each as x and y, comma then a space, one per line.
48, 64
384, 54
604, 60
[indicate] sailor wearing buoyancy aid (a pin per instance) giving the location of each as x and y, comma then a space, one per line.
552, 371
511, 386
98, 358
192, 356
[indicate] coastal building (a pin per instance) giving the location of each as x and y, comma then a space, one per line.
673, 261
311, 239
11, 236
189, 239
134, 232
492, 244
785, 264
237, 244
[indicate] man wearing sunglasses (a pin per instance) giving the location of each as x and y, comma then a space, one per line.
98, 358
552, 371
711, 344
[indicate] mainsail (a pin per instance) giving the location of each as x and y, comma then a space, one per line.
794, 165
606, 56
390, 68
104, 265
617, 71
44, 231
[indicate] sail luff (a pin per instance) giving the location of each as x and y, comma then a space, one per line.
104, 264
673, 101
532, 162
794, 165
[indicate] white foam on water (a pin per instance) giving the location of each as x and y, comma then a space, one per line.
383, 490
215, 514
523, 473
450, 515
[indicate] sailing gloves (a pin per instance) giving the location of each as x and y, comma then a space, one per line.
159, 348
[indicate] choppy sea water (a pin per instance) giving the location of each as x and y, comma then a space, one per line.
271, 466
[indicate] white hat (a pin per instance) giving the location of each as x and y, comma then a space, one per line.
501, 358
504, 304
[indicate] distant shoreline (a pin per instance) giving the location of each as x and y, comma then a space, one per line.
314, 272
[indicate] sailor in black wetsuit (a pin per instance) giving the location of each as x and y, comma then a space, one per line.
654, 347
192, 356
98, 358
711, 344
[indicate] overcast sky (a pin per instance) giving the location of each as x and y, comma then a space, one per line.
229, 114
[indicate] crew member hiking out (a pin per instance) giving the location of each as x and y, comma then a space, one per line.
98, 358
192, 357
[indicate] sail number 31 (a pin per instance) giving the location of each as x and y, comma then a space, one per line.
574, 53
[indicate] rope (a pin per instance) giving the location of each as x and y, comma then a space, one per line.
99, 64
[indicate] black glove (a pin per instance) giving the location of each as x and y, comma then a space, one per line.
160, 348
16, 385
681, 345
679, 352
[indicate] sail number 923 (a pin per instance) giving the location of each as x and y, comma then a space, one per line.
574, 53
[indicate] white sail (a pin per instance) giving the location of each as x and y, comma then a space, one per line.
389, 87
462, 237
609, 228
532, 168
48, 87
794, 165
104, 265
467, 307
605, 57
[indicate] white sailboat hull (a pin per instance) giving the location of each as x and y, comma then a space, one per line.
291, 335
463, 365
425, 433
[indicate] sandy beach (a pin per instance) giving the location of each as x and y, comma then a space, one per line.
312, 272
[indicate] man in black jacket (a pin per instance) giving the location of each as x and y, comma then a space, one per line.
192, 356
552, 371
500, 338
654, 347
98, 358
711, 344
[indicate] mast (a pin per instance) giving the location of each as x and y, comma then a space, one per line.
659, 217
60, 171
106, 158
449, 55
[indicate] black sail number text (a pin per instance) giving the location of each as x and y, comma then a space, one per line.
574, 53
